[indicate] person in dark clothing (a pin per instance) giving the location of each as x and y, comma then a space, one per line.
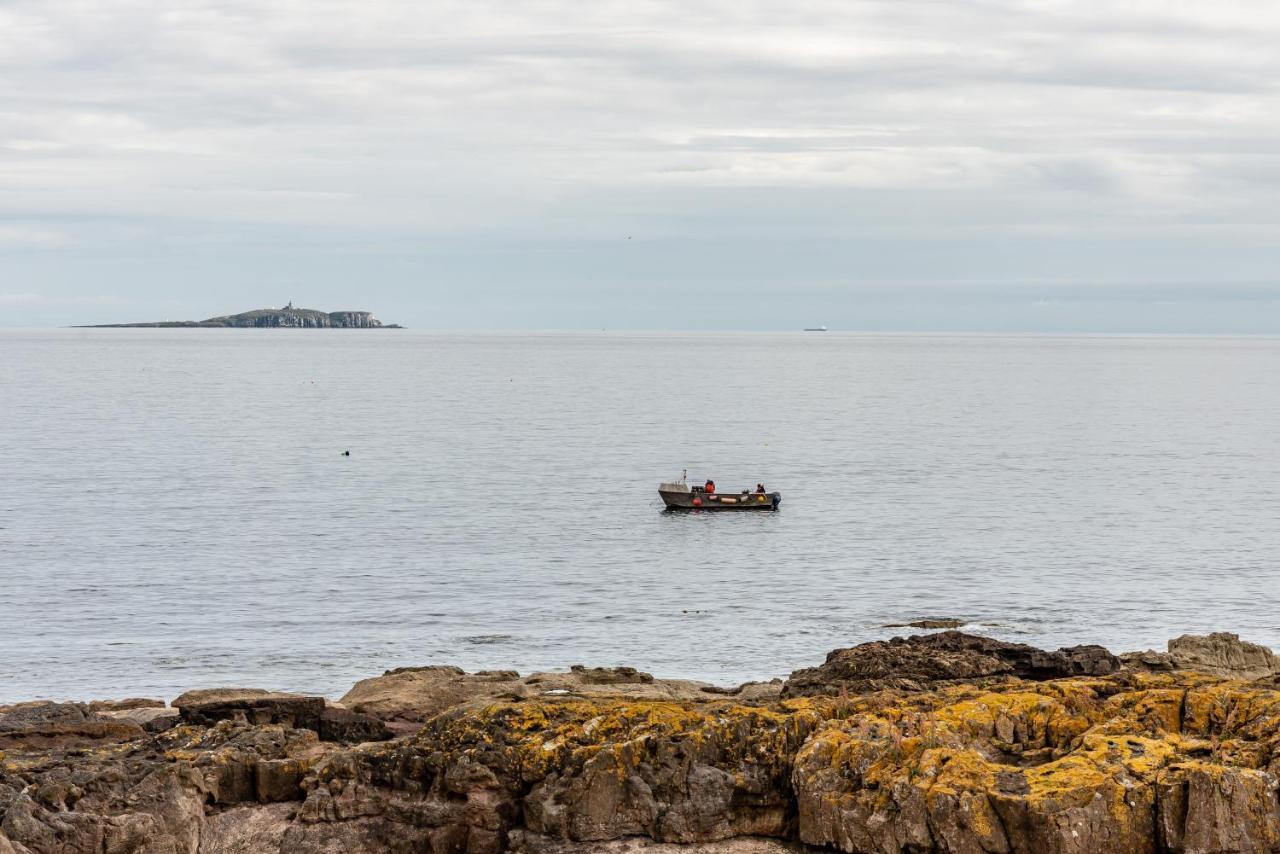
760, 489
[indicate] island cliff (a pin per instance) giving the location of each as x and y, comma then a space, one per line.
287, 317
934, 743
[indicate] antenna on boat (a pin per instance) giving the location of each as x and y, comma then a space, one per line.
684, 475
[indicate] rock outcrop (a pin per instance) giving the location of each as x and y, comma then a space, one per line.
1220, 653
921, 661
975, 746
929, 623
416, 694
255, 706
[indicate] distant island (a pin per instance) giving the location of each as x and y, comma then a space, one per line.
285, 318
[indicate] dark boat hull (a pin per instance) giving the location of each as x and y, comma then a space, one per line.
716, 501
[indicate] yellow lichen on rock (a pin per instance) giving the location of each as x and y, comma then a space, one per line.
1068, 766
1127, 762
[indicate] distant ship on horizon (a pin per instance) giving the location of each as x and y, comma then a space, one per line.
815, 329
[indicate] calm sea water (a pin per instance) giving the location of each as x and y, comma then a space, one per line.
175, 511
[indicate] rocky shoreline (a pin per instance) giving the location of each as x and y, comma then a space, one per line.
935, 742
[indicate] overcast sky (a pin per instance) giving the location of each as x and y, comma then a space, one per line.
865, 164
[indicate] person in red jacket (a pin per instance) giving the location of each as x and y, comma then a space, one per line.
710, 488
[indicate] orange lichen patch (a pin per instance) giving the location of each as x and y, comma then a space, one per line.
1014, 727
533, 739
870, 748
1151, 710
956, 793
1122, 763
973, 765
1243, 753
861, 786
1215, 772
546, 725
854, 749
949, 770
1232, 709
1082, 755
1140, 680
14, 765
182, 754
1022, 720
1102, 758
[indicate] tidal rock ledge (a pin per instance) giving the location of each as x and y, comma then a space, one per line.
945, 742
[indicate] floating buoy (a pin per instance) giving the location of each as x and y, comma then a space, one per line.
697, 502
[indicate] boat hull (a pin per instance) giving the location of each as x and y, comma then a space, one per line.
716, 501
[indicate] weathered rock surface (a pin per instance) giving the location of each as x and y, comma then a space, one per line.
201, 696
1223, 653
50, 718
255, 706
41, 713
523, 842
1220, 653
150, 718
416, 694
1029, 662
130, 704
420, 693
287, 709
955, 753
348, 727
919, 661
1147, 660
929, 623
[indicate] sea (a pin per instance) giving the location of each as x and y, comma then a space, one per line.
178, 509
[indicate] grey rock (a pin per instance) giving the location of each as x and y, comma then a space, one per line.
288, 710
921, 660
41, 713
1148, 660
417, 694
349, 727
150, 718
1222, 654
929, 623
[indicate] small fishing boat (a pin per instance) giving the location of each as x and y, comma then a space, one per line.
679, 495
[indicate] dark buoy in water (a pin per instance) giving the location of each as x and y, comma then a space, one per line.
346, 453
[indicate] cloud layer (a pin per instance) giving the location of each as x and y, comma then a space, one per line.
494, 163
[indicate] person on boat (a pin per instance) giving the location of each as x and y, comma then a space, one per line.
710, 486
760, 489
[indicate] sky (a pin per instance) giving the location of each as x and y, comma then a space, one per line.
983, 165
